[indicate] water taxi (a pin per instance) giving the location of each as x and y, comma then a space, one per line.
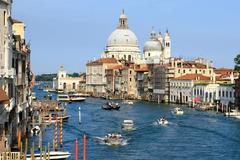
177, 111
127, 125
75, 97
57, 155
63, 97
113, 139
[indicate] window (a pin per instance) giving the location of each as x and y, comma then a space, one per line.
196, 71
230, 94
112, 56
219, 93
227, 94
4, 18
222, 93
64, 86
149, 54
130, 79
130, 72
74, 86
124, 57
184, 71
203, 71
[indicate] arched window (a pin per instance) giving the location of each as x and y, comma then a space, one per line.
74, 86
129, 58
112, 56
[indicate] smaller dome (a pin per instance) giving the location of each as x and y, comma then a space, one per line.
152, 45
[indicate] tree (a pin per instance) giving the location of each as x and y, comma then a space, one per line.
237, 62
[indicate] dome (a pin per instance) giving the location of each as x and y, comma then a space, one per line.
122, 37
152, 45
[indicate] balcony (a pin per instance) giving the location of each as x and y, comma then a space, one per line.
7, 73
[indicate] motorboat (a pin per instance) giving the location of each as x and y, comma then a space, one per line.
35, 130
177, 111
63, 98
111, 106
57, 155
52, 118
162, 121
128, 102
232, 113
127, 125
113, 139
75, 97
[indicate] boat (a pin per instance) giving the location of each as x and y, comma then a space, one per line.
128, 102
53, 118
162, 121
111, 106
113, 139
58, 155
127, 125
70, 97
232, 113
35, 130
63, 98
75, 97
177, 111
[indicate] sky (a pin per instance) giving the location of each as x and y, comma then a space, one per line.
71, 32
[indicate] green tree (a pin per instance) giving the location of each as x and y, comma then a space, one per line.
237, 62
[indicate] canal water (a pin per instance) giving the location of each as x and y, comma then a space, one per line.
193, 135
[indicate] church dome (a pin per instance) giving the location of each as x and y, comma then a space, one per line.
152, 45
122, 37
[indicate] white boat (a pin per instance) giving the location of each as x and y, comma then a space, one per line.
177, 111
113, 139
232, 113
162, 121
127, 125
58, 155
75, 97
63, 97
128, 102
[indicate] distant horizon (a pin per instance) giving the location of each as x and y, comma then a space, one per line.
70, 33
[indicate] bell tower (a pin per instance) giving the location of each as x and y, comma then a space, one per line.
167, 45
123, 23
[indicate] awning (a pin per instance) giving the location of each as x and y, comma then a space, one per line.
196, 100
3, 97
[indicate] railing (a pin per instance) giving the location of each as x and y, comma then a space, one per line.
10, 156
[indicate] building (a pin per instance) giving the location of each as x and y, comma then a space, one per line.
181, 87
65, 83
122, 43
15, 78
96, 75
237, 93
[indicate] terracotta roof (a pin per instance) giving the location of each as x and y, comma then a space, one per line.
103, 60
3, 97
117, 66
192, 77
191, 64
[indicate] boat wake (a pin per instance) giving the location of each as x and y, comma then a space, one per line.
101, 140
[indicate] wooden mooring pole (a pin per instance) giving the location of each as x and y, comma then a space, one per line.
76, 149
84, 147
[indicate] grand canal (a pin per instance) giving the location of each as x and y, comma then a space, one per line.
194, 135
